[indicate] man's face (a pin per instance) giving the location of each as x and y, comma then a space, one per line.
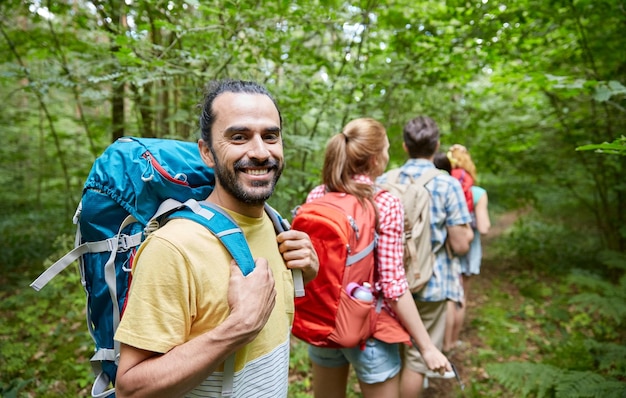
247, 150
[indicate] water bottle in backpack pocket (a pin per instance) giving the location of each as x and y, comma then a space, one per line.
360, 292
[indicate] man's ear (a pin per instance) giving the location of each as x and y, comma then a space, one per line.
205, 153
404, 147
375, 170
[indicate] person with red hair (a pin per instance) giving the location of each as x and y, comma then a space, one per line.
464, 170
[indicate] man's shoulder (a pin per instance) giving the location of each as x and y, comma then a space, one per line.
446, 178
412, 167
175, 226
181, 233
449, 181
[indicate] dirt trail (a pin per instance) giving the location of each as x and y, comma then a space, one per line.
462, 356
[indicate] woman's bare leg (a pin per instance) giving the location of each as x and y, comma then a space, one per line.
330, 382
388, 388
411, 383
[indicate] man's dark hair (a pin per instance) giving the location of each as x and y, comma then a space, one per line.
215, 88
421, 136
442, 162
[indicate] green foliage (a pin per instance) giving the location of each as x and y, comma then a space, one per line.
45, 344
538, 380
521, 84
28, 237
501, 331
610, 357
617, 147
576, 298
300, 365
507, 81
601, 297
555, 247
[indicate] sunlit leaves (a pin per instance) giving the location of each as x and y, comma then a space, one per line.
617, 147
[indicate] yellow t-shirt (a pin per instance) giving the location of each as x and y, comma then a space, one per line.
179, 291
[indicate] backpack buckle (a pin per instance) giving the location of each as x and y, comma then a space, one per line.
123, 243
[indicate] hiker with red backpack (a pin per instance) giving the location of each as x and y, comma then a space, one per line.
359, 281
462, 162
449, 227
191, 314
464, 170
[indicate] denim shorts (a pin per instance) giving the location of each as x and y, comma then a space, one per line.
379, 361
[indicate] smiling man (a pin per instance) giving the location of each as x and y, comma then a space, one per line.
189, 307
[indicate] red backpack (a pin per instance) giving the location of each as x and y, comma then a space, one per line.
343, 233
466, 181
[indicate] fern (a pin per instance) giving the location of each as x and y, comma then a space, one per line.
613, 259
540, 380
610, 357
601, 296
586, 280
586, 384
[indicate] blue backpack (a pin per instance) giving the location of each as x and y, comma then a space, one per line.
134, 187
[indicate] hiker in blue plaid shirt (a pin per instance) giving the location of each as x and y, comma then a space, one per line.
450, 235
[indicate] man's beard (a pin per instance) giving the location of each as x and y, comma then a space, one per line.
229, 182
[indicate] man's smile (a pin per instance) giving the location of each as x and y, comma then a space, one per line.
256, 172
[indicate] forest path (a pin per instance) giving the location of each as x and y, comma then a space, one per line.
493, 270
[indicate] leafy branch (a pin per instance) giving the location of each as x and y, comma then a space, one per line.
617, 147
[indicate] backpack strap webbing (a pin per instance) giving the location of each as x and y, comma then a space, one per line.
428, 175
230, 234
118, 243
360, 255
393, 175
100, 387
236, 244
281, 225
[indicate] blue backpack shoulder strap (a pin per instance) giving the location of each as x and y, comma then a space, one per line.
223, 227
227, 230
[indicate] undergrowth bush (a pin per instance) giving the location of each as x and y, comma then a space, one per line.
538, 242
27, 238
571, 314
540, 380
46, 347
300, 385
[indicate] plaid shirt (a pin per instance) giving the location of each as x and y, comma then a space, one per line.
448, 208
391, 278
